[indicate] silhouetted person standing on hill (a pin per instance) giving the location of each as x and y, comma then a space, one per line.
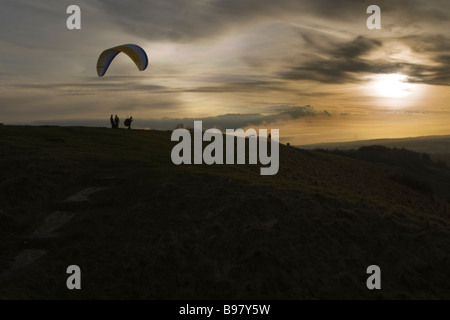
116, 121
112, 121
128, 122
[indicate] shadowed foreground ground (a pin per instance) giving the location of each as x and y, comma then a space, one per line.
139, 227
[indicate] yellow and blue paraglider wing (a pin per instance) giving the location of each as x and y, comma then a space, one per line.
136, 53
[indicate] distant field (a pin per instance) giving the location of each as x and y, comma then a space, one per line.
144, 228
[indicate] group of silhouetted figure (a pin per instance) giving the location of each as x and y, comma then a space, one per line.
115, 122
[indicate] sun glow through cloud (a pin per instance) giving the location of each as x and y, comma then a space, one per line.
392, 86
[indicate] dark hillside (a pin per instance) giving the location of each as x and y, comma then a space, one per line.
140, 227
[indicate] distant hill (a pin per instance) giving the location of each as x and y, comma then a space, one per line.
437, 146
140, 227
414, 169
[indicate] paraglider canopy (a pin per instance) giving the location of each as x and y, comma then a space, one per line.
136, 53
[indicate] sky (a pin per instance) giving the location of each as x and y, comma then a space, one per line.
310, 68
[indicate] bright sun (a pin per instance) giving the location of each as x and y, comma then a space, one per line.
392, 85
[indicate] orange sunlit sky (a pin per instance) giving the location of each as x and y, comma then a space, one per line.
309, 68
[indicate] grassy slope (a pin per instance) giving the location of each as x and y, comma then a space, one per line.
175, 232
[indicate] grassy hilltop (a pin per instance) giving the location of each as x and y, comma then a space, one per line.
145, 228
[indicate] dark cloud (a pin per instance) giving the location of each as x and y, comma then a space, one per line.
296, 112
344, 63
355, 48
338, 63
